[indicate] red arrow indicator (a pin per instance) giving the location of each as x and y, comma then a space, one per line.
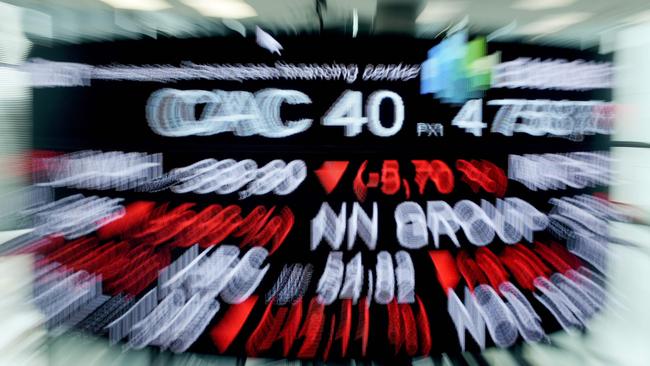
330, 174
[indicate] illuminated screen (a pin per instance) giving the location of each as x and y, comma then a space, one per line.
350, 198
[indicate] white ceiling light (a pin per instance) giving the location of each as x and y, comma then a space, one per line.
232, 9
541, 4
553, 23
143, 5
441, 11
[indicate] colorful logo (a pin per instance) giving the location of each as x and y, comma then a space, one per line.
457, 70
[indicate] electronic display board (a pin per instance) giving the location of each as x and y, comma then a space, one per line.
350, 198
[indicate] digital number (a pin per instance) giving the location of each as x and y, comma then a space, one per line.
347, 112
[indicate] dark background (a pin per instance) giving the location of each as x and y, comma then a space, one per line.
110, 115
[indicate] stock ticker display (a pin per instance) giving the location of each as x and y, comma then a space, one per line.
333, 198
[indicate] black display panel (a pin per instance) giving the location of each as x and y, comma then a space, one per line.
112, 115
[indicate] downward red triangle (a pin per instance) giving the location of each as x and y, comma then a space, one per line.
330, 174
